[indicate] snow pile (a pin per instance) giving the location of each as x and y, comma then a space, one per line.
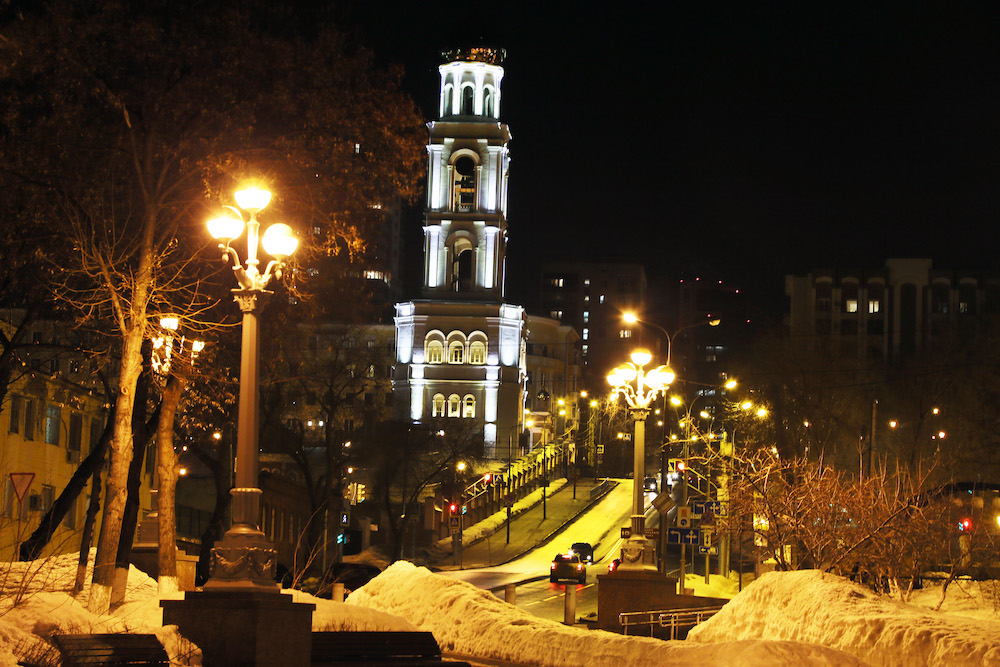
468, 621
828, 610
36, 602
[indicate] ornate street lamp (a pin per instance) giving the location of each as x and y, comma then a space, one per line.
639, 388
244, 560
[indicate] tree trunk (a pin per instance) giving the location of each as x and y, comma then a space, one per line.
140, 441
88, 525
167, 469
117, 486
89, 467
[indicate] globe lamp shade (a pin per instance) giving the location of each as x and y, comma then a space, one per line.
225, 228
641, 357
279, 240
253, 199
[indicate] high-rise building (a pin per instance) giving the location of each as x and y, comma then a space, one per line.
460, 349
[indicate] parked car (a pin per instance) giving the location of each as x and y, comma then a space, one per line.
650, 483
613, 565
584, 550
568, 566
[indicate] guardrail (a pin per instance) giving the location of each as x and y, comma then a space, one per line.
674, 619
602, 488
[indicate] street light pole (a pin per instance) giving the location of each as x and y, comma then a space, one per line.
244, 560
639, 388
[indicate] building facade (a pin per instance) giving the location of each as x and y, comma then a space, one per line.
591, 297
891, 312
460, 349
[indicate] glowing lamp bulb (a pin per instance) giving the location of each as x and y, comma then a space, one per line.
279, 240
253, 199
225, 228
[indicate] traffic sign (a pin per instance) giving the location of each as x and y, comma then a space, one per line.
663, 502
455, 525
21, 481
600, 449
648, 533
683, 516
682, 535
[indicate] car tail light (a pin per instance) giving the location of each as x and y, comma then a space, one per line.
579, 567
552, 567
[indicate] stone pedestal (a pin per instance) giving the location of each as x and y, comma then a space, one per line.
239, 629
632, 590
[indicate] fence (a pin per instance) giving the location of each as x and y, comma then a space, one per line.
672, 619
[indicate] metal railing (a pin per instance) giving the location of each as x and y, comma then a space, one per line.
674, 619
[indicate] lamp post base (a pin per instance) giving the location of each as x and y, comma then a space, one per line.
638, 553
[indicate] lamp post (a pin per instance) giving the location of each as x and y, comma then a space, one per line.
244, 560
639, 388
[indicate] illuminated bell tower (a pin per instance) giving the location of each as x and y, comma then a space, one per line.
465, 235
460, 350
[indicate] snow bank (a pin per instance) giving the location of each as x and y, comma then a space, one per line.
825, 609
468, 621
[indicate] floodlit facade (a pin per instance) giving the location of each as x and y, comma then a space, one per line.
460, 349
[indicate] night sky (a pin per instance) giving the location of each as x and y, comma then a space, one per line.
741, 140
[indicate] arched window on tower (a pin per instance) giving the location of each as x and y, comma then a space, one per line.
456, 353
435, 352
438, 403
462, 270
468, 100
465, 184
469, 403
488, 96
477, 353
454, 406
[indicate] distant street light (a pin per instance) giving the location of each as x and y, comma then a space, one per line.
639, 388
244, 560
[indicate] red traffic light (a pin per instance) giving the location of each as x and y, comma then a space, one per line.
453, 508
965, 524
487, 477
681, 466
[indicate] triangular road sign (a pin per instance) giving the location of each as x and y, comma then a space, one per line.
21, 482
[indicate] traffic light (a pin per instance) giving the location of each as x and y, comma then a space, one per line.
965, 524
681, 466
453, 508
487, 477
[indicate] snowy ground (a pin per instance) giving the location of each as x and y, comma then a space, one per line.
800, 618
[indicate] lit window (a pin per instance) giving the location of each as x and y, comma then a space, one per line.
556, 314
52, 422
585, 348
874, 306
625, 333
456, 353
454, 405
963, 307
586, 316
852, 305
435, 352
586, 281
470, 407
477, 353
556, 282
438, 410
600, 299
586, 333
586, 298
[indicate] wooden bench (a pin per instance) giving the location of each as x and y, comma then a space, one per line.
378, 649
111, 649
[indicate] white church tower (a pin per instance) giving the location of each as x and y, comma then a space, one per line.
460, 350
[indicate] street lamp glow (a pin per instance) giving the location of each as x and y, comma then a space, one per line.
279, 241
639, 389
461, 466
761, 412
253, 199
730, 385
674, 400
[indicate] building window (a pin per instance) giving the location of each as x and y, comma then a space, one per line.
454, 405
456, 353
586, 298
16, 406
586, 316
874, 306
29, 419
556, 314
557, 282
438, 409
75, 441
851, 306
823, 304
600, 299
477, 353
625, 333
586, 333
585, 348
586, 281
469, 407
435, 352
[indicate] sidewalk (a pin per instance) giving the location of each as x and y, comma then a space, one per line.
528, 529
